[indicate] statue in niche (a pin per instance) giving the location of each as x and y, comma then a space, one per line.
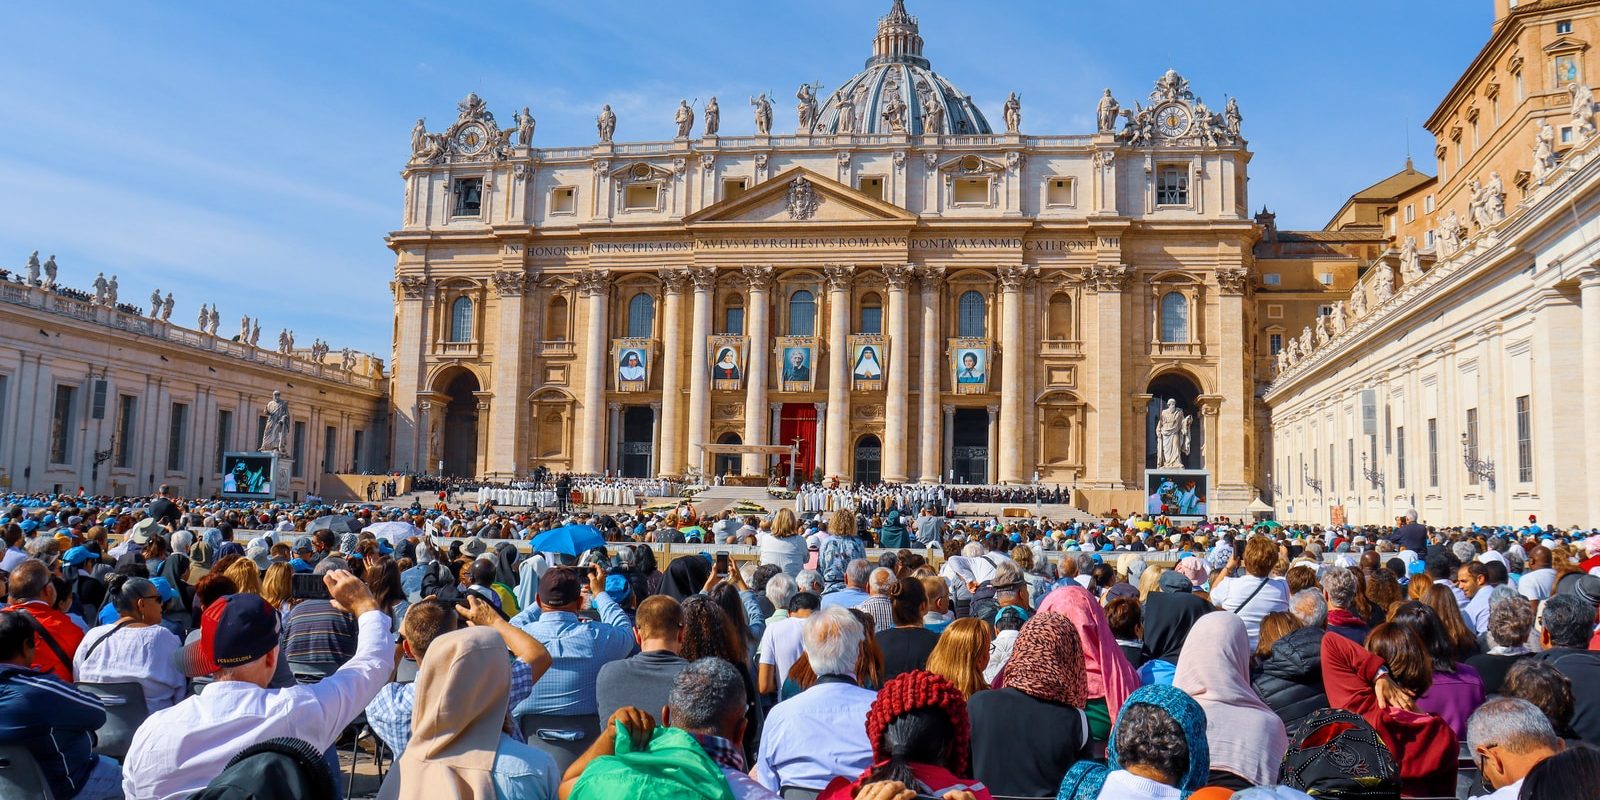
1106, 112
894, 113
1013, 113
684, 118
806, 110
763, 114
1172, 436
606, 124
713, 117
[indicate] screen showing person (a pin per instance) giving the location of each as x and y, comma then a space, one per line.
632, 369
867, 367
797, 363
971, 367
1176, 496
247, 475
726, 367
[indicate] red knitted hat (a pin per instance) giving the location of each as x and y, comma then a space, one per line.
916, 689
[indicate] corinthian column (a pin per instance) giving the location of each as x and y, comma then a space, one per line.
755, 376
929, 450
594, 286
705, 282
669, 420
837, 456
510, 285
1011, 386
894, 426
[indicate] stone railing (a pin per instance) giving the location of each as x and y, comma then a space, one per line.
41, 302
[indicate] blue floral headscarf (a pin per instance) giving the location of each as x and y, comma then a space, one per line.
1085, 780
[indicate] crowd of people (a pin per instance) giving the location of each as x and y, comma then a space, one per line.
969, 659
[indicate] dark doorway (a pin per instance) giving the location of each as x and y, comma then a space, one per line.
460, 443
970, 446
869, 458
638, 435
728, 463
1186, 395
797, 425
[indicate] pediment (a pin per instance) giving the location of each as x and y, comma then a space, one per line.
799, 196
1566, 44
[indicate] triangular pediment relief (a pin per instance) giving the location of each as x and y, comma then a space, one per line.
971, 165
798, 196
1566, 44
640, 172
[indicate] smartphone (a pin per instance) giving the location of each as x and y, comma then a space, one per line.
308, 587
722, 563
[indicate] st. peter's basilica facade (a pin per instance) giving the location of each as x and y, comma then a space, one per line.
879, 278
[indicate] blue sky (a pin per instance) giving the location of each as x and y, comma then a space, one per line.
248, 154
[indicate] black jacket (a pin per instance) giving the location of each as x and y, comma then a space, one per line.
1290, 680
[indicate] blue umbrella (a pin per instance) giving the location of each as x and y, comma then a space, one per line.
569, 539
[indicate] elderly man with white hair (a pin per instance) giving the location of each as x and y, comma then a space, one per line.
877, 604
816, 735
1508, 737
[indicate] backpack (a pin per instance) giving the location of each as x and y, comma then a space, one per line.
671, 764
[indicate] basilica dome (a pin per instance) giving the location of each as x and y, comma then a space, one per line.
899, 92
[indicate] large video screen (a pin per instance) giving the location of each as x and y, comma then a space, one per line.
1176, 494
247, 475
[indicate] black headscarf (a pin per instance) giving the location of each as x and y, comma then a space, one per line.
1168, 616
686, 576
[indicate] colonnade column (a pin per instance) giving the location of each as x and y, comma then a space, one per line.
1589, 286
949, 429
929, 452
992, 468
705, 281
615, 437
670, 458
510, 285
756, 378
594, 285
899, 350
821, 444
655, 452
1011, 386
836, 457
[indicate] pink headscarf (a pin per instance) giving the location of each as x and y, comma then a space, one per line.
1247, 738
1110, 674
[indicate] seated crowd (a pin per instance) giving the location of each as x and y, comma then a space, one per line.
1009, 659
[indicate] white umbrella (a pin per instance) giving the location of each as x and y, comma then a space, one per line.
394, 530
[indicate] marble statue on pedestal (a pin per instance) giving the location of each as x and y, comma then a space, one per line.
1582, 112
1544, 152
33, 269
1358, 303
419, 138
1450, 233
255, 333
99, 288
763, 113
806, 110
204, 318
1306, 338
155, 303
166, 308
847, 115
1172, 436
1106, 112
1336, 319
1232, 119
525, 124
1383, 286
275, 436
49, 272
111, 292
1013, 113
1410, 267
244, 329
606, 124
685, 119
1494, 203
932, 110
894, 113
713, 117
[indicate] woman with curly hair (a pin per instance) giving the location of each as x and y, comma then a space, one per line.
708, 633
920, 737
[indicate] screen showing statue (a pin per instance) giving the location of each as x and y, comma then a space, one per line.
1175, 494
247, 475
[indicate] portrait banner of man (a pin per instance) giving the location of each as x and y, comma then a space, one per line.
796, 363
969, 365
869, 362
631, 358
727, 362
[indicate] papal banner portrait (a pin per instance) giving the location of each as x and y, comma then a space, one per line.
796, 363
969, 365
727, 362
631, 364
869, 362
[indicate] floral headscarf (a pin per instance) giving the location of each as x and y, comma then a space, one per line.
1047, 661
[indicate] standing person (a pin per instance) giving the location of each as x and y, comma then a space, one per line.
1044, 694
1411, 536
1255, 594
56, 635
162, 509
52, 719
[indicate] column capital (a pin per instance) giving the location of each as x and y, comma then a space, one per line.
759, 277
512, 282
1108, 277
1013, 276
594, 282
674, 280
994, 411
949, 409
614, 407
839, 276
931, 276
412, 287
822, 408
705, 278
1233, 280
774, 406
655, 408
898, 276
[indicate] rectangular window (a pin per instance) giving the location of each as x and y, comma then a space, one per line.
1058, 193
127, 420
733, 319
1563, 26
1172, 186
1427, 204
1516, 79
1276, 342
972, 192
1350, 459
641, 197
1400, 457
1566, 134
1524, 440
1427, 240
1388, 431
330, 445
97, 406
563, 200
224, 434
355, 446
61, 422
732, 188
468, 197
177, 428
1325, 311
1411, 212
299, 449
872, 319
1272, 279
1326, 279
1433, 453
871, 186
1472, 444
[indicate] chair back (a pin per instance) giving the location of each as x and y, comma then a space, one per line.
798, 793
564, 738
125, 712
20, 775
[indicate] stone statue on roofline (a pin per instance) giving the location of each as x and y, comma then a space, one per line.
1106, 112
606, 124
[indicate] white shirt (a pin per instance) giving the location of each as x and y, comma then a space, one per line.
1125, 785
1536, 585
1230, 596
133, 655
781, 645
1508, 792
176, 752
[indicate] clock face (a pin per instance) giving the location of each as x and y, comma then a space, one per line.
471, 139
1172, 120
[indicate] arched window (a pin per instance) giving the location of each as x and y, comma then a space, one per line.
1174, 318
970, 318
802, 314
871, 314
555, 322
733, 315
641, 316
461, 319
1060, 317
